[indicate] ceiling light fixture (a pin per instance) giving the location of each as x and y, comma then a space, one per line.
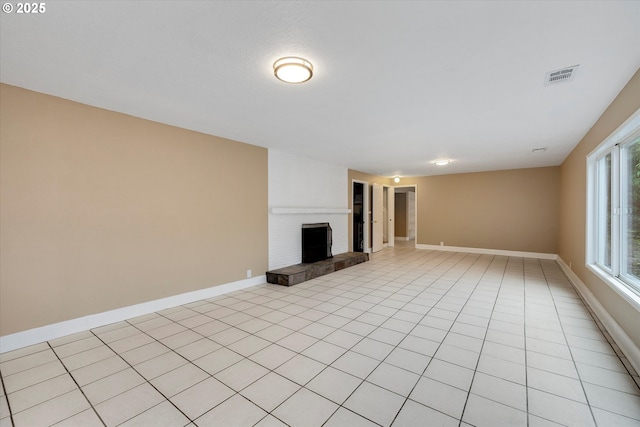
396, 179
442, 162
292, 69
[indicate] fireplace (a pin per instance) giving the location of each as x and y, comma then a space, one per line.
316, 242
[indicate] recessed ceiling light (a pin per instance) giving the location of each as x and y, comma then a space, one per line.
292, 69
442, 162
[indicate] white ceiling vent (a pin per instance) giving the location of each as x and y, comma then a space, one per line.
560, 76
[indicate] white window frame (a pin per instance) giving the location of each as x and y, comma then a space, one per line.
623, 134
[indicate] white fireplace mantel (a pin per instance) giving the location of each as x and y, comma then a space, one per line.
304, 211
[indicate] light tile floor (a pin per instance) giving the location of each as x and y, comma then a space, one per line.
411, 338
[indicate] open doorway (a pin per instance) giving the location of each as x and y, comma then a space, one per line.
405, 213
382, 217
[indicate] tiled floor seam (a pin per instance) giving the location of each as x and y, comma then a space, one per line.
484, 340
6, 397
555, 306
600, 326
382, 361
443, 339
270, 370
366, 336
147, 381
243, 357
524, 332
77, 385
397, 346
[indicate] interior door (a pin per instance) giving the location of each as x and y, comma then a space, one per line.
358, 217
377, 199
391, 214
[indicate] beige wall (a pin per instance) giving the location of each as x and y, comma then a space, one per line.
400, 214
515, 210
99, 210
573, 190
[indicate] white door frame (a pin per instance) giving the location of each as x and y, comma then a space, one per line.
390, 202
365, 207
377, 218
415, 187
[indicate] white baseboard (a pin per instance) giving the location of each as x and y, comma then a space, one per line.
628, 347
401, 239
57, 330
488, 251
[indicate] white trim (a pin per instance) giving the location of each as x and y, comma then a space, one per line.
488, 251
621, 288
390, 222
626, 132
402, 239
627, 128
415, 199
628, 347
298, 211
61, 329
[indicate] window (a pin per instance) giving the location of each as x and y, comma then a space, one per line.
630, 224
613, 212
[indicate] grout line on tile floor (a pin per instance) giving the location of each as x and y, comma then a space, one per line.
616, 349
484, 338
452, 255
448, 331
524, 334
77, 385
148, 381
341, 405
561, 323
6, 397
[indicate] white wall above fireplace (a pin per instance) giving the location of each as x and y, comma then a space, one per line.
303, 191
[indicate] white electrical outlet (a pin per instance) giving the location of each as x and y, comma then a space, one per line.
249, 274
441, 243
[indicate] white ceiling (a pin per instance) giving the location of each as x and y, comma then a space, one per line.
396, 84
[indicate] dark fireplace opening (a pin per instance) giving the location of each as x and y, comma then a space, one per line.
316, 242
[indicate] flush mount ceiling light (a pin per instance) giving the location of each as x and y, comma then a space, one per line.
292, 69
396, 179
442, 162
